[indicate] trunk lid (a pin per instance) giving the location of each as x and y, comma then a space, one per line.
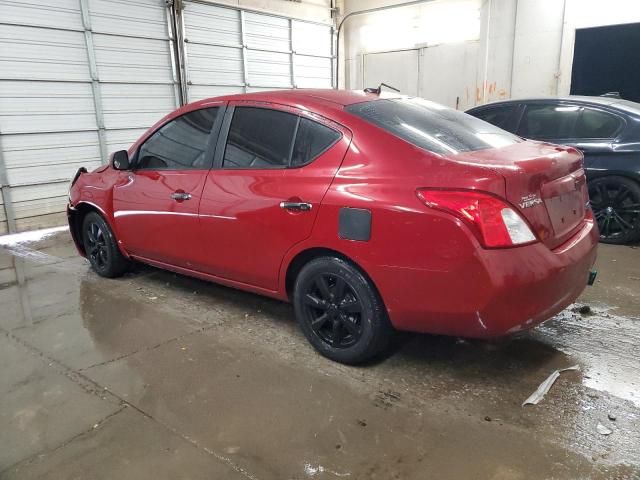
546, 183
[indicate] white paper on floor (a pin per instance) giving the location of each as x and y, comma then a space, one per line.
544, 387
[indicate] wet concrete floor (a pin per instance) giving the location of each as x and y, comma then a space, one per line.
157, 376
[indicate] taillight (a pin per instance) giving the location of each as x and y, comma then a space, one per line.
492, 220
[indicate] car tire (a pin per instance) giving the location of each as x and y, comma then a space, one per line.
340, 311
101, 247
615, 202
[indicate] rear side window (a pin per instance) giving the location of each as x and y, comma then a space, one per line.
312, 140
431, 126
597, 124
180, 144
549, 121
503, 116
259, 138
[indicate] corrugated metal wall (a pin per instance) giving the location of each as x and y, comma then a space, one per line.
249, 51
47, 116
82, 78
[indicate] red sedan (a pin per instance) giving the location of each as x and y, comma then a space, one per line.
369, 212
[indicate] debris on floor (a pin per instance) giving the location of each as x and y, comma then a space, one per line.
545, 386
583, 310
602, 430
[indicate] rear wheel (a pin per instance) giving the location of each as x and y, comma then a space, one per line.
101, 247
616, 206
340, 312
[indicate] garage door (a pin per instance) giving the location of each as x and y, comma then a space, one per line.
78, 79
135, 64
229, 50
82, 78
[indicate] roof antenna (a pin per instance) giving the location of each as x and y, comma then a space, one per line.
378, 90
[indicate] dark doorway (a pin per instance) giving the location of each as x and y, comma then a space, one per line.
605, 60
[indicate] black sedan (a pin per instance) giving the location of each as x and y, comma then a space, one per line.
607, 130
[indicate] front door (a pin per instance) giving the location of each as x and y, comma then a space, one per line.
262, 198
156, 204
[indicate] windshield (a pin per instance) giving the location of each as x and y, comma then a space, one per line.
431, 126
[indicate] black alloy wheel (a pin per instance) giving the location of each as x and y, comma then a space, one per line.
340, 311
101, 247
333, 311
96, 246
616, 207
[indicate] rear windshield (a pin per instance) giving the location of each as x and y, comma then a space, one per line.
431, 126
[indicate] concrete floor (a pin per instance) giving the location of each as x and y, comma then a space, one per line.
160, 376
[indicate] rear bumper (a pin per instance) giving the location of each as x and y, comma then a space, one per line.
493, 292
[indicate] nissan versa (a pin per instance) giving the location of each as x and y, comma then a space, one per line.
369, 212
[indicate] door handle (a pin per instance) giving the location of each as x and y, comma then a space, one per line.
179, 196
296, 206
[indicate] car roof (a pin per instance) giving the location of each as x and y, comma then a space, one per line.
583, 99
308, 98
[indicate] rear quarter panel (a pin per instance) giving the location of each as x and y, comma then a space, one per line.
381, 173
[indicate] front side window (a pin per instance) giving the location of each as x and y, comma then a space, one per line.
597, 124
259, 138
431, 126
181, 144
503, 116
549, 121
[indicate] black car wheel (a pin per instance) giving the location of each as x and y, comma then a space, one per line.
101, 248
616, 207
340, 312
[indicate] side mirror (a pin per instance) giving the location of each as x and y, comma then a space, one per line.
120, 160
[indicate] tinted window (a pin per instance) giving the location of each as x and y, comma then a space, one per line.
596, 124
180, 144
259, 138
549, 121
503, 117
431, 126
312, 140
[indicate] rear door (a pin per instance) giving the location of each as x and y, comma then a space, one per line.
156, 203
589, 129
549, 122
594, 134
273, 166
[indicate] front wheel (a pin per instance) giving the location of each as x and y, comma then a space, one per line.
340, 312
101, 247
616, 207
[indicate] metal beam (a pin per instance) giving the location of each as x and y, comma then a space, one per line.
5, 190
181, 49
334, 60
243, 39
292, 56
174, 53
95, 80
